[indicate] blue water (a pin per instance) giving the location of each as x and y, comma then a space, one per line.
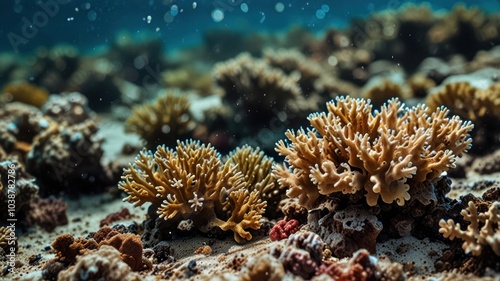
92, 25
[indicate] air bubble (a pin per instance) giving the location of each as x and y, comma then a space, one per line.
279, 7
244, 7
168, 18
174, 10
325, 8
92, 15
217, 15
320, 14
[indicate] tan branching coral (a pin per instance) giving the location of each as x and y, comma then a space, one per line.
161, 122
380, 93
191, 182
351, 150
6, 235
256, 168
468, 101
483, 229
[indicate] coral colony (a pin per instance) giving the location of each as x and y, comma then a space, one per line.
295, 157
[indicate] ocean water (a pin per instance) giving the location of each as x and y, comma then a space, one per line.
92, 25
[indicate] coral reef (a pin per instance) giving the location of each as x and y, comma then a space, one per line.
381, 155
191, 182
104, 264
47, 213
26, 93
163, 121
68, 158
483, 229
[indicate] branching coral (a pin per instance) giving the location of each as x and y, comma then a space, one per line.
385, 90
481, 106
161, 122
349, 150
256, 168
191, 182
468, 101
483, 229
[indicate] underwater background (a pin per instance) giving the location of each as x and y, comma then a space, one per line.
92, 25
249, 140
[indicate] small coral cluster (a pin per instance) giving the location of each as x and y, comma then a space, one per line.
481, 106
193, 183
469, 102
89, 254
483, 229
349, 150
163, 121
